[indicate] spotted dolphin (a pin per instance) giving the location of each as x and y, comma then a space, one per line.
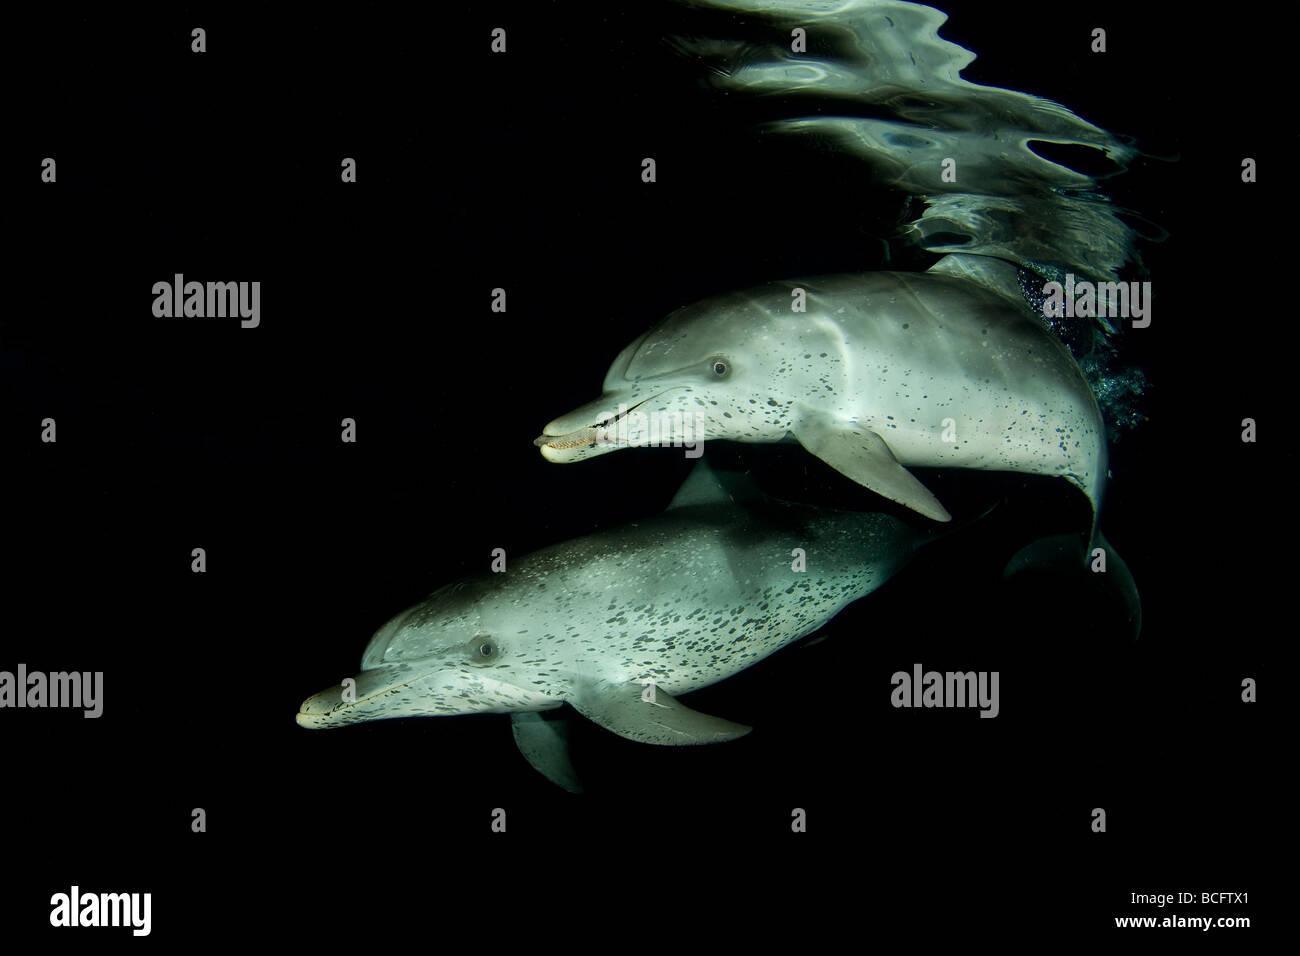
621, 623
877, 372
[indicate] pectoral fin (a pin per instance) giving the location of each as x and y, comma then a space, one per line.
544, 742
649, 716
862, 455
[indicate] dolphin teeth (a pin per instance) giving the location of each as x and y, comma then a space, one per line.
576, 439
590, 435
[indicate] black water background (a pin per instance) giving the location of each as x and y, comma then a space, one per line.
522, 173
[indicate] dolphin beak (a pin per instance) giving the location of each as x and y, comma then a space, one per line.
375, 694
578, 438
572, 446
583, 433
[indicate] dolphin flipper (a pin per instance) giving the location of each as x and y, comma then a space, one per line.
862, 455
544, 742
649, 716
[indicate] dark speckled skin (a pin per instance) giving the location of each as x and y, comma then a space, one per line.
899, 354
685, 599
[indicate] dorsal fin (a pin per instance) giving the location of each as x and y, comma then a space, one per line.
704, 486
996, 275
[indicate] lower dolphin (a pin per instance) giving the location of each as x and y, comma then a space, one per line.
620, 623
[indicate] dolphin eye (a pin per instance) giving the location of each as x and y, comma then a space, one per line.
720, 367
486, 648
483, 649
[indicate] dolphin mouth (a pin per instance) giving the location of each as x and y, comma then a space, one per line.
372, 693
555, 439
581, 438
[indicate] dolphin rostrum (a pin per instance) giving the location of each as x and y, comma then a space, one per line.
621, 623
880, 371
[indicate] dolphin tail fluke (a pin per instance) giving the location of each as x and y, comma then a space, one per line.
1121, 582
543, 739
646, 714
1066, 553
1057, 552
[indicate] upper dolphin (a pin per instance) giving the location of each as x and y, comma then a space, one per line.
880, 371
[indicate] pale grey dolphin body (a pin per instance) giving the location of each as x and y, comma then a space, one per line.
683, 600
882, 370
